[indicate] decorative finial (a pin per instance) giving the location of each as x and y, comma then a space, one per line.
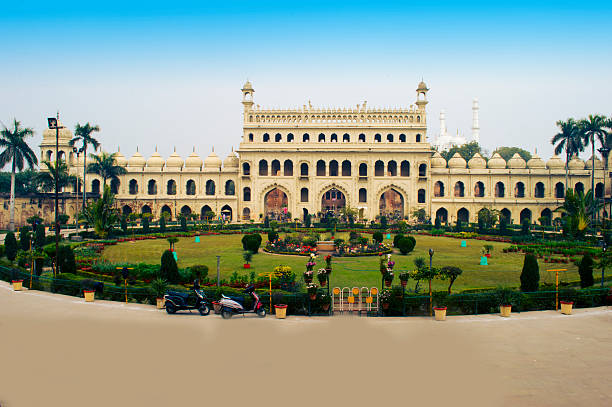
136, 148
175, 149
156, 148
194, 149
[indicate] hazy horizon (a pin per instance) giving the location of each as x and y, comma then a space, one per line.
152, 74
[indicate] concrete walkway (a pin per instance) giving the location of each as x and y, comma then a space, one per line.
59, 350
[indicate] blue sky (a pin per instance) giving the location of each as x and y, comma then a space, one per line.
150, 73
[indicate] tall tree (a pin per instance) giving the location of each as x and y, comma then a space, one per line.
576, 210
84, 135
105, 166
17, 152
592, 129
46, 179
508, 152
569, 139
466, 151
101, 213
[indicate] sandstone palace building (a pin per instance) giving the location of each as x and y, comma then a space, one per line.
292, 162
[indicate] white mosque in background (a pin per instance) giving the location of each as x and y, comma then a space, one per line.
446, 141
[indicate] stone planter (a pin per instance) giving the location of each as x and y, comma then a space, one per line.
440, 313
505, 310
161, 302
566, 307
281, 311
89, 295
17, 285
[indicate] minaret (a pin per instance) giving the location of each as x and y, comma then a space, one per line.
475, 125
442, 123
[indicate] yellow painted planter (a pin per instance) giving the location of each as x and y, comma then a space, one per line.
505, 310
17, 285
440, 313
89, 295
281, 311
566, 307
161, 302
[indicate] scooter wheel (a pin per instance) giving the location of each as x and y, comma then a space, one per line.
204, 310
261, 312
226, 314
170, 308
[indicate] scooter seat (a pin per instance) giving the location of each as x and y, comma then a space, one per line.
178, 294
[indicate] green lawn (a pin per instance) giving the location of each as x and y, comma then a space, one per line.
503, 270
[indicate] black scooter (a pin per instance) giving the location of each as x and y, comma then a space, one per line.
178, 301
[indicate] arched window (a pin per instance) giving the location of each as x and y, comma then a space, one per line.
191, 188
95, 187
519, 190
290, 137
246, 169
377, 138
346, 138
459, 189
304, 170
390, 138
362, 138
145, 209
246, 214
49, 155
152, 187
333, 168
363, 195
334, 138
246, 194
546, 217
304, 195
171, 187
288, 168
438, 189
363, 170
114, 185
133, 189
506, 214
379, 169
126, 210
539, 190
463, 215
275, 168
321, 138
405, 169
599, 190
418, 138
251, 137
278, 138
579, 188
320, 168
346, 168
421, 196
500, 190
479, 190
230, 188
186, 211
402, 138
442, 214
263, 167
559, 190
392, 168
422, 170
305, 138
210, 187
525, 216
266, 137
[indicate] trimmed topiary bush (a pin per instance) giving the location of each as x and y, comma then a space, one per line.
251, 242
272, 236
65, 259
183, 224
406, 244
162, 224
40, 235
396, 239
377, 237
585, 269
10, 246
24, 238
530, 276
124, 224
145, 225
168, 269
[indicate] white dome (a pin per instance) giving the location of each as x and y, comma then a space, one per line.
119, 159
555, 163
477, 162
516, 161
155, 161
193, 161
137, 160
598, 163
231, 161
456, 161
536, 162
576, 164
437, 161
174, 161
497, 162
212, 161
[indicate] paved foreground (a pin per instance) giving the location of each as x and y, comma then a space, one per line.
60, 351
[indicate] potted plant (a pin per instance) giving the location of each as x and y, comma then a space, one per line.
247, 256
328, 263
404, 277
308, 275
440, 309
325, 302
505, 297
388, 277
322, 277
566, 307
89, 292
312, 291
487, 249
172, 240
159, 287
385, 299
279, 307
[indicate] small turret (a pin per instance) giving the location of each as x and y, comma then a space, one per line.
247, 95
422, 95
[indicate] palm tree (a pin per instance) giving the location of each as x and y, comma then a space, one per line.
83, 134
101, 213
105, 166
46, 179
591, 129
16, 151
577, 209
568, 139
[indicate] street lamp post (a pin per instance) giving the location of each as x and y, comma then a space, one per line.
605, 153
77, 151
55, 124
604, 247
431, 253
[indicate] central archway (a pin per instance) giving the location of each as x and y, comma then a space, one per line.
391, 204
332, 201
276, 204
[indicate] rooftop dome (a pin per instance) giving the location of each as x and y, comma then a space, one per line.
212, 161
516, 161
437, 161
193, 161
456, 161
477, 162
247, 86
155, 161
576, 164
536, 162
555, 163
496, 162
137, 160
422, 86
231, 160
598, 163
174, 161
119, 159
